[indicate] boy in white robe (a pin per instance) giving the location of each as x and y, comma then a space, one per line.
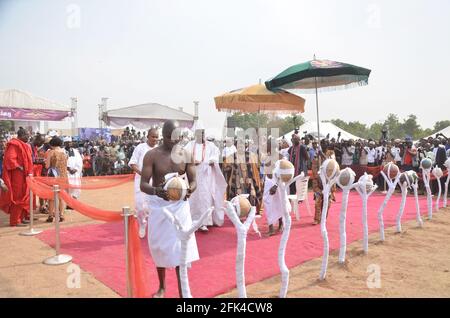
273, 200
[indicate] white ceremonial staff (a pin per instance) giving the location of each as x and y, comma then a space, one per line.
447, 164
365, 189
232, 209
284, 187
346, 183
425, 165
437, 173
184, 235
405, 183
415, 186
329, 173
391, 179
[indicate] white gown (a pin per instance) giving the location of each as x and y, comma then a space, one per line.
272, 203
75, 162
211, 184
163, 241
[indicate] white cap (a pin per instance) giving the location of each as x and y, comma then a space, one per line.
67, 139
198, 125
53, 133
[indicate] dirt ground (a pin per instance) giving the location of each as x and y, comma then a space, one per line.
415, 263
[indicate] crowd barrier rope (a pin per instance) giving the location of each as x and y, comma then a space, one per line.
44, 188
31, 230
87, 183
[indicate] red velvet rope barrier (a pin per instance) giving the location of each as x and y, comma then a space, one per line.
42, 191
63, 183
136, 263
89, 211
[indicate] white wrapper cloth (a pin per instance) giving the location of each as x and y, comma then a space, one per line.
163, 239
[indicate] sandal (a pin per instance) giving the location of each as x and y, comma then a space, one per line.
61, 219
49, 219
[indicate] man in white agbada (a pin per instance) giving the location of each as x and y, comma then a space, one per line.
163, 239
74, 167
211, 184
136, 165
273, 200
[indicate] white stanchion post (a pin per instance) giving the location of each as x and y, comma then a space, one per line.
58, 259
31, 231
126, 213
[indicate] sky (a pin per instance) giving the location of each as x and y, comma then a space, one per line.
174, 52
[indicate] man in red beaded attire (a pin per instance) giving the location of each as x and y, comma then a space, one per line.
17, 165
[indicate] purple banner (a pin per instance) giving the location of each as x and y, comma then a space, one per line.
9, 113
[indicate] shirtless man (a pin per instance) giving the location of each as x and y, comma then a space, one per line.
164, 244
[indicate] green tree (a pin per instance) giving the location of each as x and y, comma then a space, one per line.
245, 121
439, 125
394, 126
257, 120
375, 131
7, 125
358, 129
354, 127
340, 123
426, 132
411, 127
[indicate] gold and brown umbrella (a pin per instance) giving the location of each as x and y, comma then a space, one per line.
257, 98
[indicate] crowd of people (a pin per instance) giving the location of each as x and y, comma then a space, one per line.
213, 170
243, 165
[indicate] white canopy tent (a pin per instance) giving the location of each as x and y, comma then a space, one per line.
31, 111
326, 128
15, 98
445, 132
145, 116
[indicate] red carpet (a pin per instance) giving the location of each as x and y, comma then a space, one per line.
99, 249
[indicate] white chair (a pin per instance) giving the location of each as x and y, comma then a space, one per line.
301, 187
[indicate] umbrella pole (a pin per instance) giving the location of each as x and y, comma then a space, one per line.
318, 120
317, 110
